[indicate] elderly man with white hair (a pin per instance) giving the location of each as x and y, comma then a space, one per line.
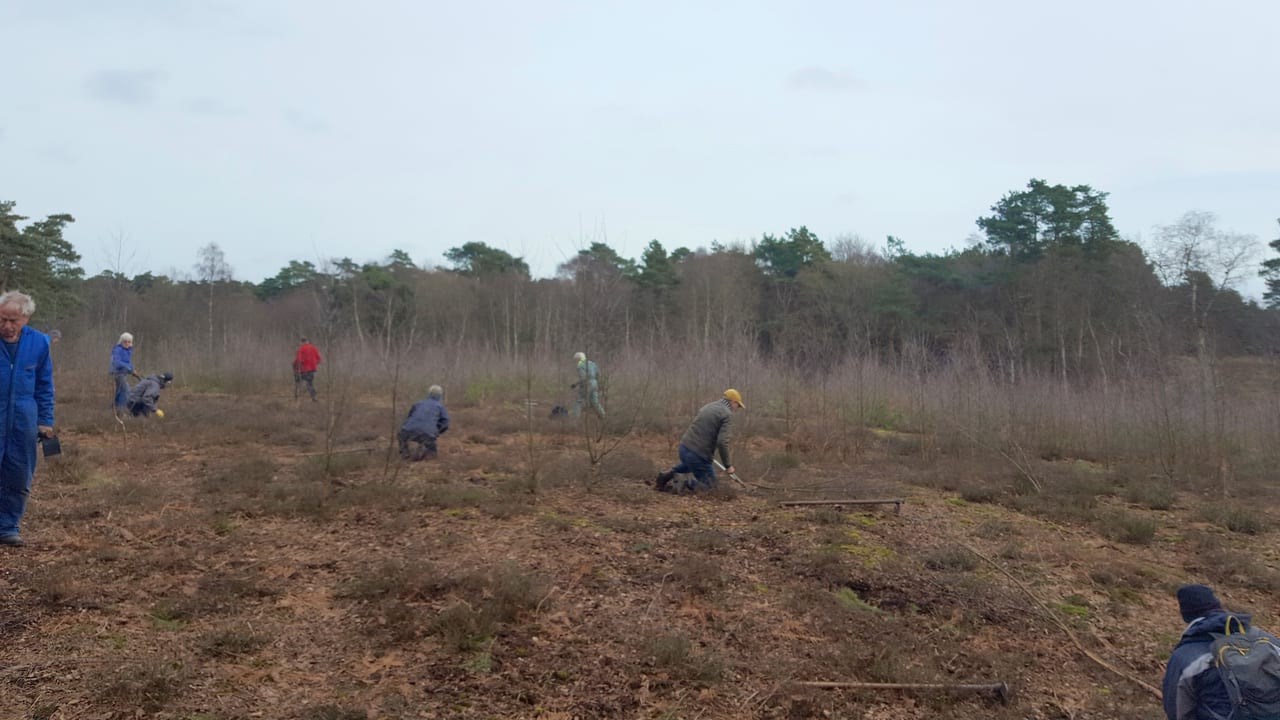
428, 419
26, 407
122, 367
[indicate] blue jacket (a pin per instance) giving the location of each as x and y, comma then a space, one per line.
121, 359
1192, 687
26, 399
426, 417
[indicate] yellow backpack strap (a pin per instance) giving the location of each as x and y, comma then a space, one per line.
1239, 624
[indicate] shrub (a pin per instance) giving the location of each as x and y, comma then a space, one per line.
147, 686
463, 627
493, 596
849, 599
231, 643
950, 557
698, 574
825, 563
510, 589
979, 492
414, 580
248, 477
826, 516
1235, 517
708, 541
72, 467
1156, 494
455, 496
1127, 528
994, 529
300, 498
675, 652
56, 585
669, 651
1225, 566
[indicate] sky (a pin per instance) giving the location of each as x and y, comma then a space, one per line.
290, 130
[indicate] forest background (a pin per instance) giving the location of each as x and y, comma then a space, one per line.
1048, 331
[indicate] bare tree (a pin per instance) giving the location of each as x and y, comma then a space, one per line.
1194, 254
212, 269
855, 250
1207, 260
118, 258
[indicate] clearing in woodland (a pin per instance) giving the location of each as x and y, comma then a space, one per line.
223, 565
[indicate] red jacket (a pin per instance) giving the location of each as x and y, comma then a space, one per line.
307, 359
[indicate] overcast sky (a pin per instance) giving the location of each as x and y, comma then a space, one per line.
307, 130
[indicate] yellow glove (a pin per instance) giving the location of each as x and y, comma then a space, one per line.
159, 413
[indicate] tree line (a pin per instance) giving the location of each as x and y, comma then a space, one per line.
1047, 288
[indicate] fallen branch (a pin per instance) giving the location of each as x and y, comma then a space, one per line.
1063, 626
1000, 689
124, 432
895, 502
337, 452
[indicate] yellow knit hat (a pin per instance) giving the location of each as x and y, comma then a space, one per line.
735, 396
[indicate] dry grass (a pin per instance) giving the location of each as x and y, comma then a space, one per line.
142, 686
480, 585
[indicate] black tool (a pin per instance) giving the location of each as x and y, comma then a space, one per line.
50, 445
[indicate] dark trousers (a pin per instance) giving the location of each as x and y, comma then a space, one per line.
704, 475
426, 445
307, 380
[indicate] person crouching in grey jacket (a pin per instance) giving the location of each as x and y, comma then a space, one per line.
144, 395
709, 433
427, 420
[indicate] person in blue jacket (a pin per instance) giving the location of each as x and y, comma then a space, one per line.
427, 420
122, 367
26, 407
1193, 687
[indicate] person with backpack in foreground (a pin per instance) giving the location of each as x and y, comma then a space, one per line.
1223, 668
710, 432
427, 420
144, 396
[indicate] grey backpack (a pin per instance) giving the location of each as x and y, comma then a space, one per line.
1248, 660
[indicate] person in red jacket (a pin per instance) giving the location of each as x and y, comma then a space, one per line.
305, 362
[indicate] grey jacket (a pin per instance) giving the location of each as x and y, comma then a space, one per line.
711, 431
147, 392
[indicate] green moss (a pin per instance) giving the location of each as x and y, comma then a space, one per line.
850, 600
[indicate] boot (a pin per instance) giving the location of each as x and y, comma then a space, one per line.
664, 478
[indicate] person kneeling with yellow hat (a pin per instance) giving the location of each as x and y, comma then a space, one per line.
709, 433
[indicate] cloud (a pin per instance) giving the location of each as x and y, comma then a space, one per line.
210, 107
125, 87
57, 154
823, 80
305, 121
